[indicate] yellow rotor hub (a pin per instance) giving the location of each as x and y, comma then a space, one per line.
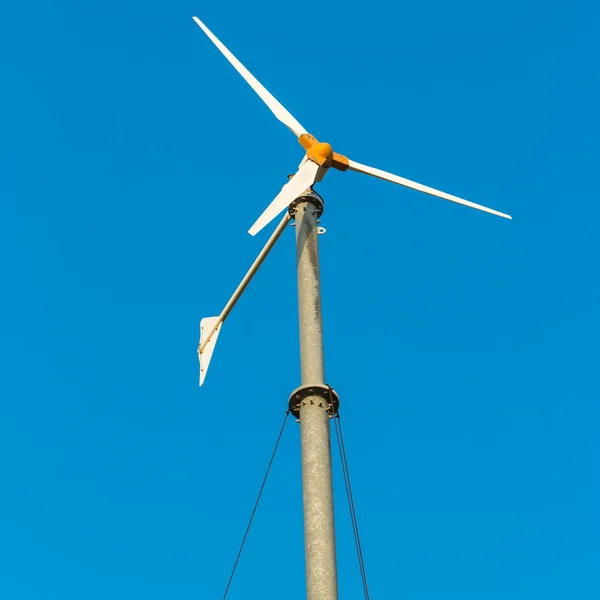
322, 153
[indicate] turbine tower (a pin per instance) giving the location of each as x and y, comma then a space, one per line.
314, 402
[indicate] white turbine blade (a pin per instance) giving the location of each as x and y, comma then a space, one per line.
303, 179
276, 108
209, 326
354, 166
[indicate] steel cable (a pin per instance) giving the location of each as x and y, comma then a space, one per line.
353, 518
262, 487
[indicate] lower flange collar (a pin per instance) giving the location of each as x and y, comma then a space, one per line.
329, 397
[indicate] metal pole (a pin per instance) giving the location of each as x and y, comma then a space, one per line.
317, 487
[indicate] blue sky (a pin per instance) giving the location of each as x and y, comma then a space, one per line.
463, 346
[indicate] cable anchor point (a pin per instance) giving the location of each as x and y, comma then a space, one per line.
331, 401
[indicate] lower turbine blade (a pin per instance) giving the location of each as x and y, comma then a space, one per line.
303, 179
354, 166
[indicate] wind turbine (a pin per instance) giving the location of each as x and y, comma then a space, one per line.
320, 156
314, 402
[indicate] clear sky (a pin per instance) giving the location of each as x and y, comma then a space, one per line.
464, 347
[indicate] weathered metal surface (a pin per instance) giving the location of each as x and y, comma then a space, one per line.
317, 487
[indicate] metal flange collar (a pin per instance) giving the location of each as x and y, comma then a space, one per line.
311, 196
327, 396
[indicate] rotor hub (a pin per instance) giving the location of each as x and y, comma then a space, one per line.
324, 150
322, 153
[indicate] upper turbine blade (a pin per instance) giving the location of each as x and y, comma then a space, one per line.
354, 166
303, 179
276, 108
